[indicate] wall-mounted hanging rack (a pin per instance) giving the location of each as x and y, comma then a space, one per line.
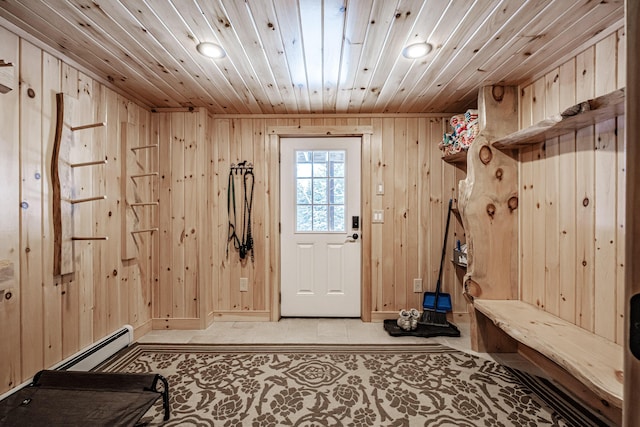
83, 164
7, 76
241, 167
140, 175
240, 234
89, 126
64, 186
91, 238
136, 159
144, 204
87, 199
146, 230
144, 147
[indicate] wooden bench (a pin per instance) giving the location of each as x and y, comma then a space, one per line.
595, 362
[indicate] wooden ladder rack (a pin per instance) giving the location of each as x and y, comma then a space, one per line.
133, 169
63, 185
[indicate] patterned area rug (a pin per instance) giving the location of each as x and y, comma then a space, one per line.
357, 385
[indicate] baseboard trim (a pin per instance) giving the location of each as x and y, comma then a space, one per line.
241, 316
177, 324
142, 330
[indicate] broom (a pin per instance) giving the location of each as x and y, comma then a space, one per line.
431, 315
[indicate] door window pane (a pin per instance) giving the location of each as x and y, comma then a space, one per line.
320, 191
303, 191
304, 216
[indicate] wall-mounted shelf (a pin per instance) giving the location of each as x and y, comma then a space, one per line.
577, 117
459, 159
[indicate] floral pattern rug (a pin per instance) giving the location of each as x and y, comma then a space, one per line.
356, 385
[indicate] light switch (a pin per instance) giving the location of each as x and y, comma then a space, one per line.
380, 188
378, 217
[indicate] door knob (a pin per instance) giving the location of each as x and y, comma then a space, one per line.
354, 236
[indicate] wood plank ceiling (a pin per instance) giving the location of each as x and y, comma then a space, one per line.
312, 56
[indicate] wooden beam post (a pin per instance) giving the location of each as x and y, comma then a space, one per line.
630, 409
488, 200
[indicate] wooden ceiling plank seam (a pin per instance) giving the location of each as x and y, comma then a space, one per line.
244, 26
36, 28
289, 28
424, 26
170, 18
347, 51
239, 38
356, 24
199, 27
110, 14
498, 26
212, 17
266, 26
261, 64
567, 55
380, 19
468, 25
155, 28
520, 55
491, 50
399, 34
574, 43
103, 38
65, 45
442, 31
333, 26
311, 25
564, 58
567, 39
70, 62
221, 72
536, 25
324, 116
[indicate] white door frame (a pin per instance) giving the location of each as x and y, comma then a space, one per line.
364, 132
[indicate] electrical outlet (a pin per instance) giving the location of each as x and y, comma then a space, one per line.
244, 284
417, 285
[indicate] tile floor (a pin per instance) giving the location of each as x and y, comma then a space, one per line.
320, 331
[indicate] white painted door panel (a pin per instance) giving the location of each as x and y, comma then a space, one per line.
320, 259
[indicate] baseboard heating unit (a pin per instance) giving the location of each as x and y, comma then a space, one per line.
93, 355
90, 356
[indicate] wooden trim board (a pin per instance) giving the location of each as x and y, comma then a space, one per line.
364, 132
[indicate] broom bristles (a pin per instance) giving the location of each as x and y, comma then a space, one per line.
435, 318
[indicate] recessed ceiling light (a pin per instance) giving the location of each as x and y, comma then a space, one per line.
211, 50
417, 50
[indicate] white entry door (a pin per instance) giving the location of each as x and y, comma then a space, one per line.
320, 239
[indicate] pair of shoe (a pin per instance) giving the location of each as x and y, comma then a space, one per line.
408, 319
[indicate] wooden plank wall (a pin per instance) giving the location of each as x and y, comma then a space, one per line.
47, 318
184, 220
572, 197
417, 186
